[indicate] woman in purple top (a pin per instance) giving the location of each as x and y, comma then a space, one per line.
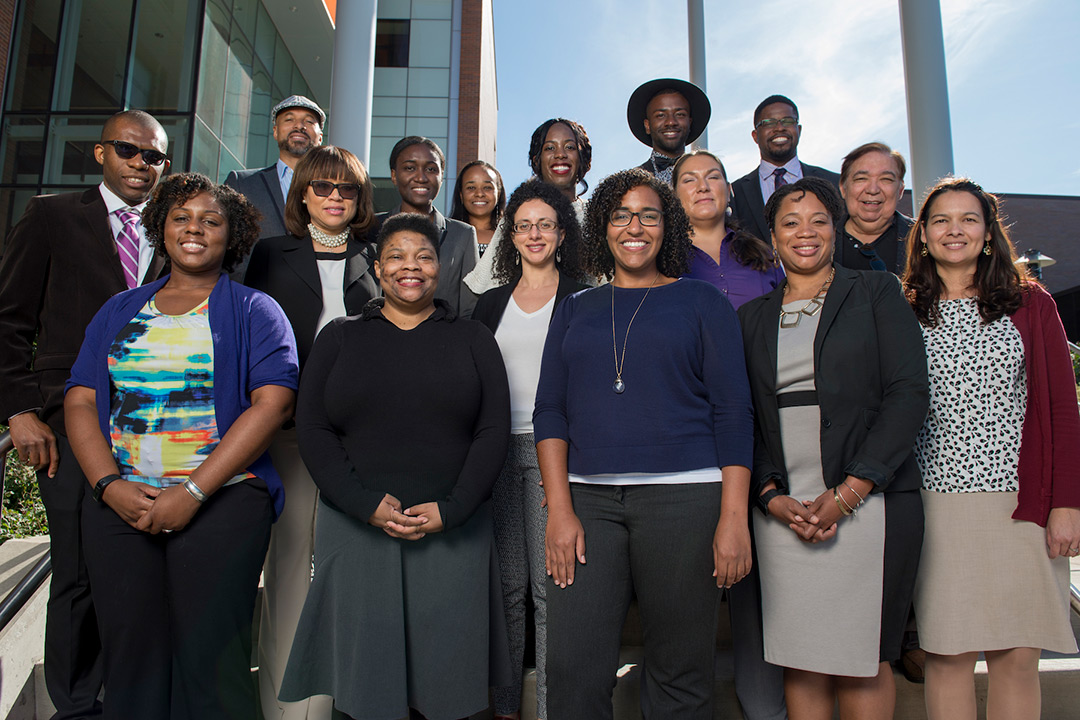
742, 266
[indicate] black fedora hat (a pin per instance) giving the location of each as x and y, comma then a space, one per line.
700, 109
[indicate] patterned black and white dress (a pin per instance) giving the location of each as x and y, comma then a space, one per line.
985, 581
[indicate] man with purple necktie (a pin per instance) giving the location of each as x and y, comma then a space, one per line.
67, 255
776, 132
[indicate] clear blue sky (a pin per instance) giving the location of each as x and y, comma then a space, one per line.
1012, 72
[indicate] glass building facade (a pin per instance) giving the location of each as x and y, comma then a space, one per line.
208, 70
412, 86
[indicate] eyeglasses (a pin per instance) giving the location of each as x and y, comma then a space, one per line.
788, 122
325, 188
128, 151
543, 225
648, 218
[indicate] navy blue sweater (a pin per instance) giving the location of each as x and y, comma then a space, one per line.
687, 401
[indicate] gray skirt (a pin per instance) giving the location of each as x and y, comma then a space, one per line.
985, 581
391, 624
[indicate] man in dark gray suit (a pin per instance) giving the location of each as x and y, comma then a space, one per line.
417, 166
776, 132
297, 126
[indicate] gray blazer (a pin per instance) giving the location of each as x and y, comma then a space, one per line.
262, 188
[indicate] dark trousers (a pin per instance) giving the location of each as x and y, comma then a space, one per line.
72, 647
175, 610
654, 541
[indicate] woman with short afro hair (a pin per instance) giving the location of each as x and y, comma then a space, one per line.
644, 438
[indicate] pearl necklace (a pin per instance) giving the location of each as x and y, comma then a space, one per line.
327, 240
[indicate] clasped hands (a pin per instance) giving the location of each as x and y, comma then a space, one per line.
406, 524
812, 521
151, 509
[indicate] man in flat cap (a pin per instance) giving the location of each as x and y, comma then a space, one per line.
297, 126
667, 115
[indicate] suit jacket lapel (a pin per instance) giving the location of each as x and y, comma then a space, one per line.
301, 258
358, 264
769, 320
757, 205
273, 187
841, 286
96, 217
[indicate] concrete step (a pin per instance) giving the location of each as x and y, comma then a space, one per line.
22, 642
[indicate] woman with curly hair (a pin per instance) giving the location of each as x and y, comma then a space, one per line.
999, 458
560, 154
171, 404
644, 437
479, 200
538, 266
742, 266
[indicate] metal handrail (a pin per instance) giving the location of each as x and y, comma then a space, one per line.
21, 594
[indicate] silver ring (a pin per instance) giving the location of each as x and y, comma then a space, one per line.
1075, 550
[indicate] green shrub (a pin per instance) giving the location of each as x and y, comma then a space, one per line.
23, 511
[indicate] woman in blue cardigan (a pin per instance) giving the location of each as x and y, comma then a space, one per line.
172, 402
644, 433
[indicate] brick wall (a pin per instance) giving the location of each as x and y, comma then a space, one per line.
472, 27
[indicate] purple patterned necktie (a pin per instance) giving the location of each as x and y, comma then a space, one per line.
127, 242
778, 178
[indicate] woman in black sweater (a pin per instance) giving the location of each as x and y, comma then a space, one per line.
404, 426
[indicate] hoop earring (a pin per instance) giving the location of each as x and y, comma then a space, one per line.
986, 248
924, 252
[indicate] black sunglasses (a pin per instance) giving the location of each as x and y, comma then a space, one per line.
324, 188
876, 263
128, 151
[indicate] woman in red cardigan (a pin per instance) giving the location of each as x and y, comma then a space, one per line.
999, 458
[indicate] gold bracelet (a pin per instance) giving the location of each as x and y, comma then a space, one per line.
839, 504
853, 508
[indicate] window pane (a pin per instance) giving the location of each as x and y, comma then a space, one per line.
393, 9
12, 205
382, 105
428, 127
391, 43
283, 69
391, 81
204, 158
245, 13
439, 9
237, 113
429, 45
33, 56
93, 56
69, 157
226, 165
177, 128
164, 55
259, 140
265, 37
22, 150
429, 83
215, 54
428, 107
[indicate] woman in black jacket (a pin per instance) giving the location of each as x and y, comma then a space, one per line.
320, 271
537, 262
838, 376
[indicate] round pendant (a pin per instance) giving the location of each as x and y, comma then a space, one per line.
619, 386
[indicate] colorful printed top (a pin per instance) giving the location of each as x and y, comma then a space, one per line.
162, 419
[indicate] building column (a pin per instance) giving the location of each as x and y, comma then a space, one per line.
695, 21
929, 128
353, 80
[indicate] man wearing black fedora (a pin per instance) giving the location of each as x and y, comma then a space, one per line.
667, 115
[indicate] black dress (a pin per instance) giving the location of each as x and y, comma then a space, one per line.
423, 415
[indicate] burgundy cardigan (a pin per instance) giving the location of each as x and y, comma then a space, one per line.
1049, 467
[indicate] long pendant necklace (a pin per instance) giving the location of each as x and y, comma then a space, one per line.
810, 309
619, 386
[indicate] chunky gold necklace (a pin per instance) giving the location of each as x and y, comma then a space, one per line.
619, 386
326, 239
810, 309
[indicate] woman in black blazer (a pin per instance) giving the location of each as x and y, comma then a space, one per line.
537, 262
838, 375
321, 270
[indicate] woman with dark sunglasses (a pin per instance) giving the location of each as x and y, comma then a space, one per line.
320, 271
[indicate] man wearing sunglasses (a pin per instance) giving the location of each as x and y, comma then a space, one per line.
297, 125
67, 255
776, 132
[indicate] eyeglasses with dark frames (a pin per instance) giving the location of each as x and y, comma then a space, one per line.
788, 122
325, 188
544, 225
127, 151
648, 218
